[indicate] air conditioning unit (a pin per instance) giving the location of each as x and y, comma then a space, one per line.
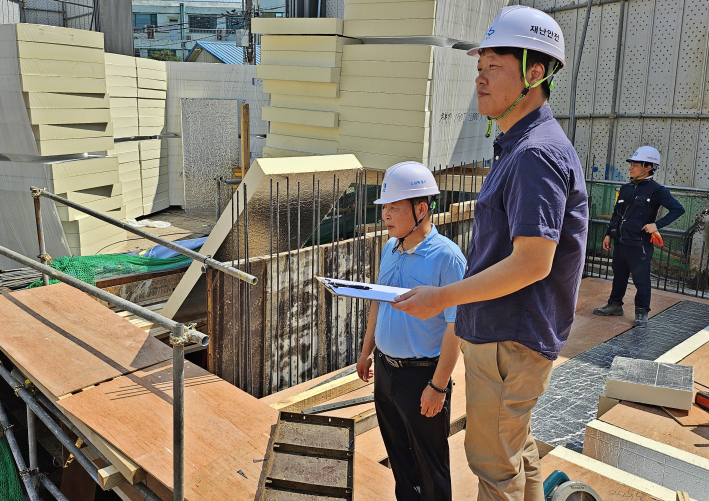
220, 35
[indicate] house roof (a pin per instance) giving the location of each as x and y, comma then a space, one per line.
226, 52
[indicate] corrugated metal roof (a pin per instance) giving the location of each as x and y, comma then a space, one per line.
226, 52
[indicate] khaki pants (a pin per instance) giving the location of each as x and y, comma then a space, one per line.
502, 384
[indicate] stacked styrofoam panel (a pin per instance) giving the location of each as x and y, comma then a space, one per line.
92, 182
122, 86
152, 93
301, 72
130, 177
458, 20
385, 103
154, 175
60, 75
410, 102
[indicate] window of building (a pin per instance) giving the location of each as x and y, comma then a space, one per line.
143, 20
203, 22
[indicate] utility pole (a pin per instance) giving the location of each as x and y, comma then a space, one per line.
249, 14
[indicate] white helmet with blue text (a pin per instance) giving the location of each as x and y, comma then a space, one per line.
646, 154
407, 180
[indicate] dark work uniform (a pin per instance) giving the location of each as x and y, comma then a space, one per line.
637, 206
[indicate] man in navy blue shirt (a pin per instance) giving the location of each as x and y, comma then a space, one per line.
516, 303
631, 227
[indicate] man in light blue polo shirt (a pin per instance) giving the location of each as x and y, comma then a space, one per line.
413, 358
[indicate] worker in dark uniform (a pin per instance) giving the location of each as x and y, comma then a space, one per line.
631, 227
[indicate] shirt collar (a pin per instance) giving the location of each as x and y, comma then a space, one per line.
424, 245
508, 139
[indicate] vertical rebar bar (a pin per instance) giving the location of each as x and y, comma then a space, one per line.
178, 412
316, 371
297, 295
291, 372
40, 236
337, 275
233, 290
237, 355
270, 296
246, 311
312, 289
278, 288
330, 355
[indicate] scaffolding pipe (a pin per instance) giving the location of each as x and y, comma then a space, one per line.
206, 260
178, 412
40, 236
190, 335
32, 445
17, 454
53, 489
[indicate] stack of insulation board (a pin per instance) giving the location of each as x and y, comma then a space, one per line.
60, 74
300, 66
130, 177
92, 182
122, 86
447, 20
385, 103
154, 175
152, 93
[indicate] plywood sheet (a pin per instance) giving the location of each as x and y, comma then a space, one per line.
150, 64
45, 67
66, 349
294, 26
397, 53
301, 58
68, 116
393, 11
317, 146
385, 131
78, 85
387, 69
390, 28
385, 147
71, 146
303, 131
72, 131
305, 102
35, 50
119, 59
386, 101
391, 117
386, 85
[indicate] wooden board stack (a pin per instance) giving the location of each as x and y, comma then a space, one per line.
122, 86
61, 76
152, 93
154, 175
130, 177
301, 60
448, 20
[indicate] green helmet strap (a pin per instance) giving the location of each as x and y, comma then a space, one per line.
527, 86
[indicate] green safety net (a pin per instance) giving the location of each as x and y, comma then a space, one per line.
91, 269
10, 489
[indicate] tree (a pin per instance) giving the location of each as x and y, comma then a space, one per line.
163, 55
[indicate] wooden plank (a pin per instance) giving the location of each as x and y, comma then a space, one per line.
109, 477
320, 394
46, 328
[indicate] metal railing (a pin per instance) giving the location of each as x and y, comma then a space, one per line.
179, 336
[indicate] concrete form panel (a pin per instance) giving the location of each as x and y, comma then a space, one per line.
607, 46
588, 74
692, 54
682, 154
599, 146
663, 56
701, 172
627, 140
583, 140
636, 55
561, 94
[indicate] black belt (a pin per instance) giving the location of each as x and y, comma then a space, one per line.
408, 362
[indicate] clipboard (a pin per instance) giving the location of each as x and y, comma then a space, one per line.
360, 290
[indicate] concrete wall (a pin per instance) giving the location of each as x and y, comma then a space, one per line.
663, 68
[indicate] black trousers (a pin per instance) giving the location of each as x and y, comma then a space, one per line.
417, 445
632, 260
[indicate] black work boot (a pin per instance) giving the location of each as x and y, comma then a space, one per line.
640, 317
611, 309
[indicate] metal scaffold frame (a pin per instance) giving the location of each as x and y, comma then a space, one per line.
179, 336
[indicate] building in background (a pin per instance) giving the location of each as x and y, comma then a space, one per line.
111, 17
168, 25
220, 52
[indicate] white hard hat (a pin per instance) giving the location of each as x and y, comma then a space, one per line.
407, 180
525, 28
646, 154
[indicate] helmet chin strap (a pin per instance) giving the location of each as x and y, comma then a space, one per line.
525, 91
400, 241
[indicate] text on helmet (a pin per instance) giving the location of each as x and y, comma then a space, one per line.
545, 32
414, 183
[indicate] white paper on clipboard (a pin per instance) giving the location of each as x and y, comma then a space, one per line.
360, 290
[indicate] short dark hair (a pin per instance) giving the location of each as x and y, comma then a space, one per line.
423, 200
533, 57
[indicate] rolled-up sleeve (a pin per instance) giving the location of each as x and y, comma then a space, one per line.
535, 196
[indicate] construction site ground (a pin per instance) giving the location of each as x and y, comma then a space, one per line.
114, 381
